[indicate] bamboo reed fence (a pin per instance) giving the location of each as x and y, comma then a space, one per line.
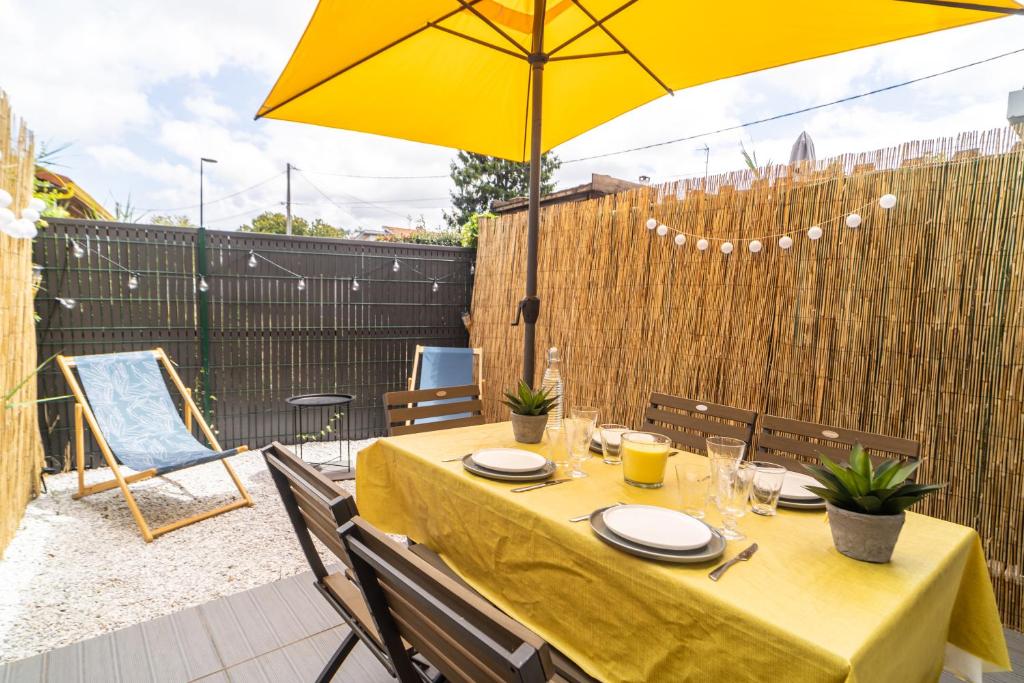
911, 325
21, 455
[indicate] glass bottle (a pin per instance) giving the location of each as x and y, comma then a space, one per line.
553, 384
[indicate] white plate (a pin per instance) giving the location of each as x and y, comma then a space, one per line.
793, 486
657, 527
511, 460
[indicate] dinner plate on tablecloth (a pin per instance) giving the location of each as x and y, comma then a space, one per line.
711, 551
509, 460
538, 475
657, 527
812, 504
793, 487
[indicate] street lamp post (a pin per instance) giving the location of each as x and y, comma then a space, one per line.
202, 160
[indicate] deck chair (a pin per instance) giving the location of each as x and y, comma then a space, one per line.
688, 422
124, 400
427, 410
783, 441
434, 367
460, 634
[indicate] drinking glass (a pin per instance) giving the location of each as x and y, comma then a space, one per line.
588, 413
732, 493
611, 442
722, 448
644, 456
558, 446
693, 478
578, 432
764, 492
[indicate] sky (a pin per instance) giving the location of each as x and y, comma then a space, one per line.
141, 90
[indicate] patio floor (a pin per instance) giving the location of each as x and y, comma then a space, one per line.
281, 631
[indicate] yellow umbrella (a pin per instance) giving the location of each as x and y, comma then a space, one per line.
515, 78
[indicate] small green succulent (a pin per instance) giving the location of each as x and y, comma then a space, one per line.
527, 401
859, 487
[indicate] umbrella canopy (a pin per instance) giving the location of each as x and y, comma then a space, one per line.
514, 78
803, 149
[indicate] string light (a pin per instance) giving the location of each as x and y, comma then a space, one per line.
67, 303
662, 230
472, 267
853, 220
651, 224
302, 283
355, 285
252, 259
77, 250
702, 244
396, 267
680, 239
133, 281
754, 246
814, 232
785, 242
887, 201
434, 287
726, 248
203, 285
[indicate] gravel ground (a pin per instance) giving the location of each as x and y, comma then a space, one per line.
79, 568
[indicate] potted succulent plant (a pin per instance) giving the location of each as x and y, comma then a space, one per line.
529, 412
866, 505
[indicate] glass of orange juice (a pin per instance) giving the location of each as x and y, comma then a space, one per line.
644, 455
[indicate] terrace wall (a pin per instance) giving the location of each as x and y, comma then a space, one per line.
265, 338
911, 325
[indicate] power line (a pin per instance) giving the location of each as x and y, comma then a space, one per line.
218, 199
378, 177
380, 201
244, 213
351, 196
776, 117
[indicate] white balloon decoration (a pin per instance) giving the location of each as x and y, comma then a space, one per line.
887, 201
5, 199
785, 242
702, 244
662, 230
853, 220
814, 232
30, 214
37, 204
651, 224
726, 247
680, 239
6, 216
754, 246
22, 228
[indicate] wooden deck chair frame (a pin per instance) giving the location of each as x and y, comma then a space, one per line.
478, 356
402, 409
83, 411
669, 415
784, 440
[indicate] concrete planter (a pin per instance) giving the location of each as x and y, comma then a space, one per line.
868, 538
529, 428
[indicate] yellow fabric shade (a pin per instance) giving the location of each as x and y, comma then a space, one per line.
455, 72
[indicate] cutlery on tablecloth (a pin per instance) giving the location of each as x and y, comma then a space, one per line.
552, 482
585, 517
460, 457
717, 572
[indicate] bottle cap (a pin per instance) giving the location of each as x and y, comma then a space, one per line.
553, 355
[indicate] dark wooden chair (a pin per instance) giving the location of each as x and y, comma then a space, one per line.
405, 412
784, 441
688, 422
463, 636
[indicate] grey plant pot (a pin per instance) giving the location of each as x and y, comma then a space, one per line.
868, 538
529, 428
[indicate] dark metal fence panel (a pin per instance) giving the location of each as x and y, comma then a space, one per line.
268, 339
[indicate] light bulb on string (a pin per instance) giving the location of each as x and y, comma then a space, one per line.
652, 223
680, 239
77, 250
853, 220
472, 268
814, 232
396, 266
67, 303
433, 287
252, 259
302, 284
755, 246
726, 248
133, 281
702, 244
355, 285
662, 230
204, 286
887, 201
785, 242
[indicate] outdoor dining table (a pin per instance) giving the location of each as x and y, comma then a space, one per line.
797, 611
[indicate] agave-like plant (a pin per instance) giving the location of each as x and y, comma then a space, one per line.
527, 401
859, 487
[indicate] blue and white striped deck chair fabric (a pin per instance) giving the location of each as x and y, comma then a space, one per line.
443, 366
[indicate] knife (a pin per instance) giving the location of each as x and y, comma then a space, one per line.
539, 486
717, 572
460, 457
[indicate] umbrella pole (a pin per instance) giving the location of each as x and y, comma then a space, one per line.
531, 304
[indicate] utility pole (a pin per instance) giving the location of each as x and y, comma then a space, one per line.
288, 200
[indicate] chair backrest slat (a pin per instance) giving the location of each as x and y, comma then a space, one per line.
405, 413
316, 505
804, 441
463, 636
688, 422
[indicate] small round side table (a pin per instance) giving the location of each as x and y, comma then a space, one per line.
325, 405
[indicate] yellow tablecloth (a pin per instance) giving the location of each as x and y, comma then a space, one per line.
798, 611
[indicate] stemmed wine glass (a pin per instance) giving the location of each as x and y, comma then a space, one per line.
732, 492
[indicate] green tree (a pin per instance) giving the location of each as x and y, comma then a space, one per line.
470, 230
442, 238
273, 223
480, 180
180, 221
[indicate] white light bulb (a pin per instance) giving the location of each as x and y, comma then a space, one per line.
5, 199
133, 282
434, 287
814, 232
396, 266
662, 230
785, 242
22, 228
887, 201
680, 239
355, 285
754, 246
702, 244
472, 268
67, 303
853, 220
30, 214
252, 259
302, 284
203, 284
651, 224
37, 204
77, 250
726, 247
6, 217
